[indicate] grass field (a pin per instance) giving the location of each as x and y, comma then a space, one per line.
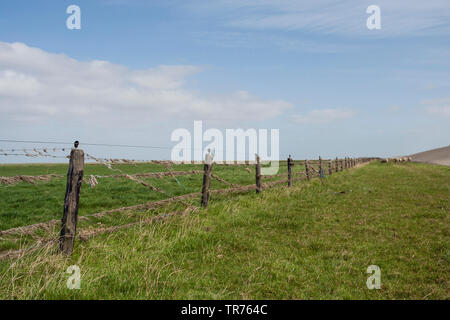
24, 204
312, 241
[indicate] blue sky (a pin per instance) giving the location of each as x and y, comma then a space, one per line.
137, 70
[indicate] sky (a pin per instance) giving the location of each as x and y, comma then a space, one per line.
137, 70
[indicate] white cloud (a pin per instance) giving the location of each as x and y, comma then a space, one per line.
323, 116
35, 84
437, 107
439, 111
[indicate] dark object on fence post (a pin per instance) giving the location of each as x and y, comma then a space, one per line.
207, 168
290, 163
320, 168
307, 169
336, 164
71, 200
258, 175
342, 165
330, 170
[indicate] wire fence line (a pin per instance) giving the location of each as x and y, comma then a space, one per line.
109, 145
307, 173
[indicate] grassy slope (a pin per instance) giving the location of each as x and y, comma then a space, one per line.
310, 241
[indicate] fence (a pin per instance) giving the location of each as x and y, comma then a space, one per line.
75, 178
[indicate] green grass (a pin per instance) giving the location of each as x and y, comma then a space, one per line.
312, 241
25, 204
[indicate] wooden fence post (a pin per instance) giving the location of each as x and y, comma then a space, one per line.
330, 170
342, 164
307, 169
320, 168
290, 164
336, 164
258, 175
71, 201
207, 168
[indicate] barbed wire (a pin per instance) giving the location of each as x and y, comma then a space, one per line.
105, 145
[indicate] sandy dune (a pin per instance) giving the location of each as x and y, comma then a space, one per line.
437, 156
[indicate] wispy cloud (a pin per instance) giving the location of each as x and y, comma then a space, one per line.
399, 18
260, 40
323, 116
437, 107
394, 108
38, 85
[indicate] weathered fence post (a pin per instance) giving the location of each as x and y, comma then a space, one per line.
330, 170
320, 168
307, 169
258, 175
342, 165
207, 168
71, 200
290, 163
336, 164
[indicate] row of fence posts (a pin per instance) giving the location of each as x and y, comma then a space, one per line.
345, 163
75, 179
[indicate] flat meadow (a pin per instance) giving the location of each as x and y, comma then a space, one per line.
313, 240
